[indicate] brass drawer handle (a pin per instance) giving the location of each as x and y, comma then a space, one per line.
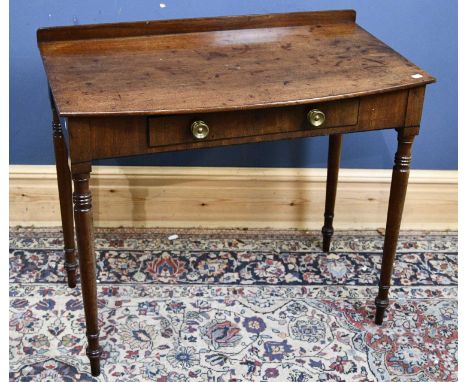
316, 117
200, 129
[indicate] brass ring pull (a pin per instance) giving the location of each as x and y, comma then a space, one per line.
316, 117
200, 129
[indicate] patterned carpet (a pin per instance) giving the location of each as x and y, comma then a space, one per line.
235, 305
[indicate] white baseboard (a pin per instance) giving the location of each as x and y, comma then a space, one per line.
236, 197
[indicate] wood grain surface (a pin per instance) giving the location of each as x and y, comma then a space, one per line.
282, 60
236, 197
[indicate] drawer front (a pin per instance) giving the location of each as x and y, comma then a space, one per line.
180, 129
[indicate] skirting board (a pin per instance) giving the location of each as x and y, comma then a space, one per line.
236, 197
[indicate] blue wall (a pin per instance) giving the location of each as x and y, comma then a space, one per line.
425, 31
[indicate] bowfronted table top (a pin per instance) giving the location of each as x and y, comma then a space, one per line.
218, 64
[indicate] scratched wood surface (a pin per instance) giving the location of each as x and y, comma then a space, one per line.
247, 62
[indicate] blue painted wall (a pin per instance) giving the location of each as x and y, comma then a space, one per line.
425, 31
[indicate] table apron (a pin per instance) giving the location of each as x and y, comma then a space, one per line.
116, 136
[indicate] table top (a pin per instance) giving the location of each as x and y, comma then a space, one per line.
218, 64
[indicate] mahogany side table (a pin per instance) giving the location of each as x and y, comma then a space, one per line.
155, 86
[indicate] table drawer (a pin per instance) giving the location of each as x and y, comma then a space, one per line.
190, 128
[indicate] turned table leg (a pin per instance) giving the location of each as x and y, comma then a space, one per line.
395, 210
65, 195
334, 152
85, 239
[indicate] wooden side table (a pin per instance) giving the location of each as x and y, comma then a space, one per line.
148, 87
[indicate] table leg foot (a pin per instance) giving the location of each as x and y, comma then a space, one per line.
381, 305
95, 367
70, 266
94, 351
327, 233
